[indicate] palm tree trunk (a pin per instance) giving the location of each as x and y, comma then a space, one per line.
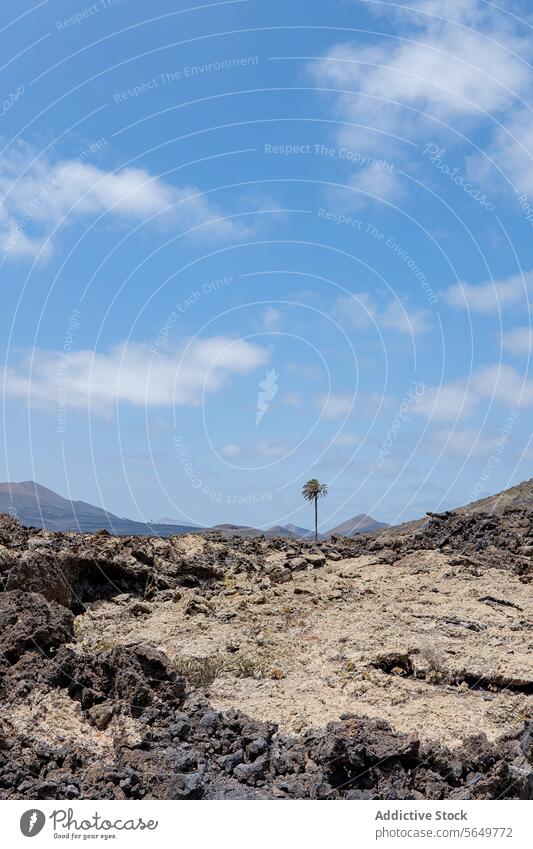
316, 519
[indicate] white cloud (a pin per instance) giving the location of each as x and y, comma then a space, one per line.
462, 442
231, 450
375, 184
518, 341
445, 68
271, 450
303, 372
477, 14
505, 384
130, 373
270, 319
460, 62
460, 399
292, 399
447, 402
456, 10
335, 406
344, 440
441, 69
396, 317
511, 150
48, 192
361, 309
490, 297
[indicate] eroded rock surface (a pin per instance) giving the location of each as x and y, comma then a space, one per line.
393, 667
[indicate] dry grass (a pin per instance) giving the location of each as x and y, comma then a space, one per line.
200, 671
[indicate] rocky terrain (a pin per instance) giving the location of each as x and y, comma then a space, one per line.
389, 666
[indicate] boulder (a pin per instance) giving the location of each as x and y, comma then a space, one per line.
28, 622
316, 560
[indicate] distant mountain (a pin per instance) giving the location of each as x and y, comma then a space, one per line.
297, 531
166, 520
236, 530
229, 527
39, 507
285, 531
361, 524
36, 506
246, 531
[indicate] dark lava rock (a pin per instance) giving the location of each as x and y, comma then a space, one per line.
30, 623
133, 676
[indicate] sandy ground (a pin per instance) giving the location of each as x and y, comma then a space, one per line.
304, 652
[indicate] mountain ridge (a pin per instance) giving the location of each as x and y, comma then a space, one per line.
38, 506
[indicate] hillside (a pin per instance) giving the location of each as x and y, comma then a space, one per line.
520, 495
39, 507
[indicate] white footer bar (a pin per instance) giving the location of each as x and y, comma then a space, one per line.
246, 824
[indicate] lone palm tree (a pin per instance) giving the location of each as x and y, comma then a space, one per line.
312, 491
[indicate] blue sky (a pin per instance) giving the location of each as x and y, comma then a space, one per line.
243, 244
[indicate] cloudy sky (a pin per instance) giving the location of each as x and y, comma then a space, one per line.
243, 244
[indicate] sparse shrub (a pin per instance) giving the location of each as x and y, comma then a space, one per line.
247, 667
436, 665
150, 588
200, 671
102, 645
91, 647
